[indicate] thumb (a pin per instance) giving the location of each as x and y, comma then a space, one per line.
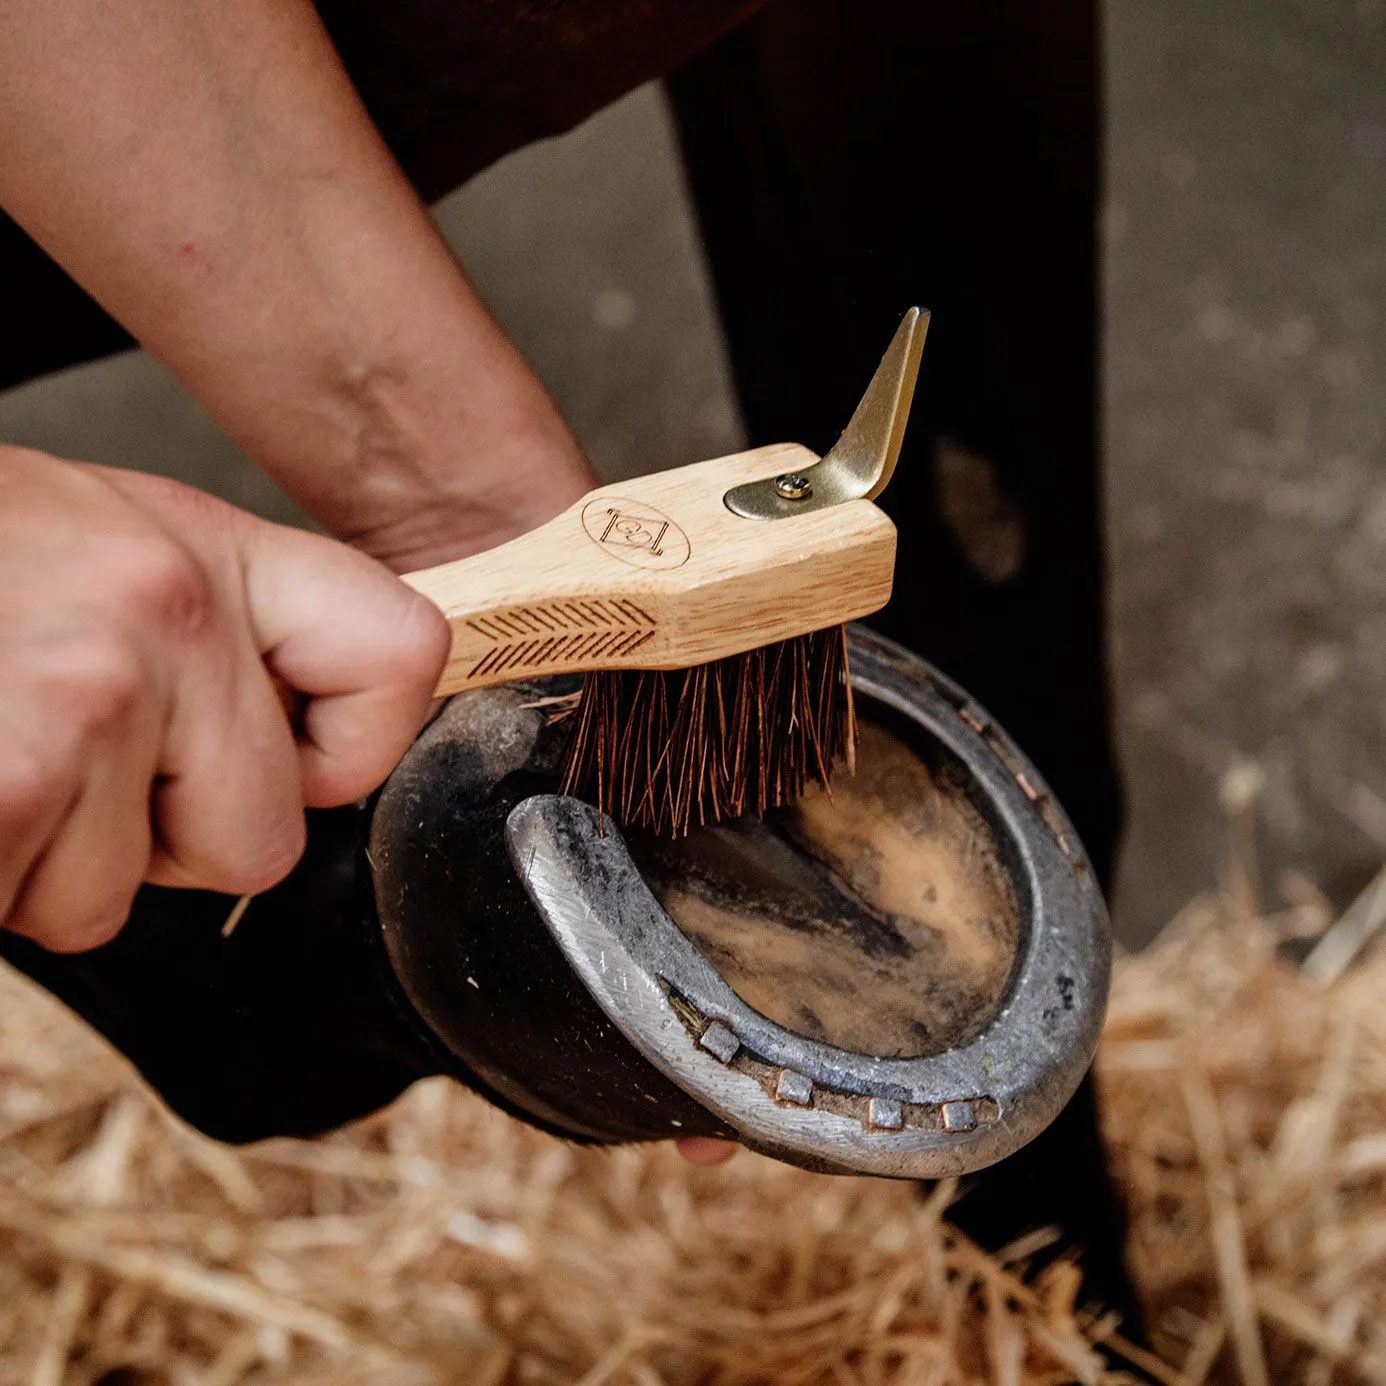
366, 650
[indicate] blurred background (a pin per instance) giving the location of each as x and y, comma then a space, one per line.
1245, 424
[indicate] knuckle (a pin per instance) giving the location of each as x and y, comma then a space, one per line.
69, 912
105, 680
421, 641
77, 933
91, 682
163, 582
252, 867
29, 787
90, 931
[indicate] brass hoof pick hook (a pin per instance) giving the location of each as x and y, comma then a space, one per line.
860, 464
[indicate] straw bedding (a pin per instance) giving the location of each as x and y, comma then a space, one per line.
442, 1243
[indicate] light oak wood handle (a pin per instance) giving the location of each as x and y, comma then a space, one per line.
657, 573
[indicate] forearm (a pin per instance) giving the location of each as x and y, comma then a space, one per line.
206, 171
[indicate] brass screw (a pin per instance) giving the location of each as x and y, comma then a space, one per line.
794, 486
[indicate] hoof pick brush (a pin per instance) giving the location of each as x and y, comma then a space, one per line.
705, 607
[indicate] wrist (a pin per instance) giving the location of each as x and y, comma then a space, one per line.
406, 423
440, 458
428, 513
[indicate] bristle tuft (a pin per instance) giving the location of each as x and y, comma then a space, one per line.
669, 750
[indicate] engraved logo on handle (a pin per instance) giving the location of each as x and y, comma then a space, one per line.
635, 533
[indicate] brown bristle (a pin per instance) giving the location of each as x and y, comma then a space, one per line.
669, 750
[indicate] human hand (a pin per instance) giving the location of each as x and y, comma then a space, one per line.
146, 634
704, 1150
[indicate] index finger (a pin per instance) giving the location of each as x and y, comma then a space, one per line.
366, 650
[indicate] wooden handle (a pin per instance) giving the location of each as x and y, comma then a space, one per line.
657, 573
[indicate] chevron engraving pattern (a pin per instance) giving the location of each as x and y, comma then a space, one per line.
572, 632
